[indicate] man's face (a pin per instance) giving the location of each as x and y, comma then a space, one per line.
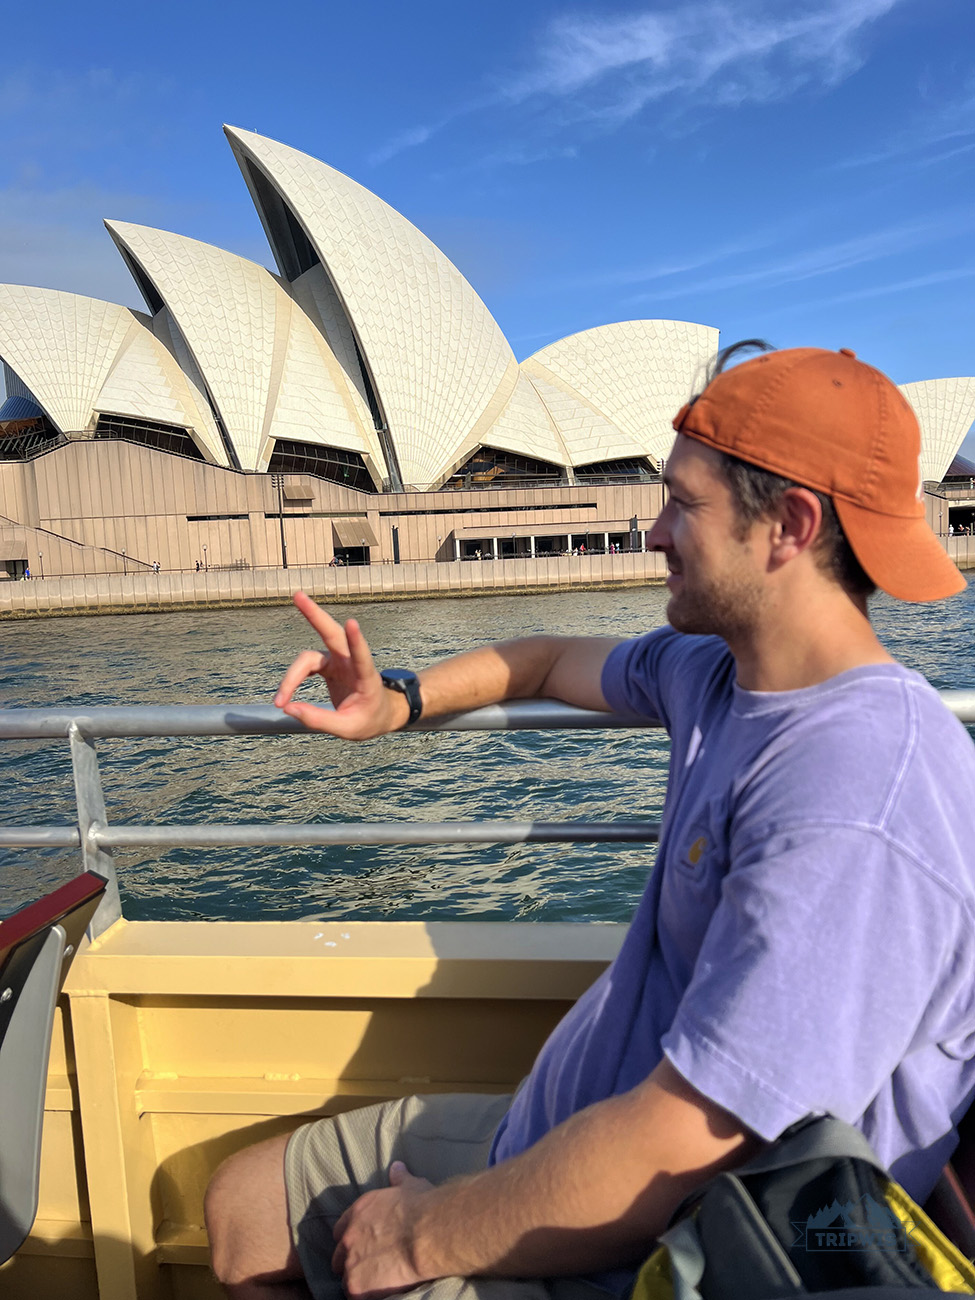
716, 579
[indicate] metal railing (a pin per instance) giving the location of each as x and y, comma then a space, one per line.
96, 839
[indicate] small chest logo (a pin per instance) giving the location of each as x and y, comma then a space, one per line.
696, 851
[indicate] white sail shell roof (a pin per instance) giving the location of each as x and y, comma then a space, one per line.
587, 434
945, 409
269, 371
147, 383
81, 356
635, 374
62, 347
315, 295
526, 427
436, 355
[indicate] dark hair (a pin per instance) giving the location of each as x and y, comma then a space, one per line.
756, 493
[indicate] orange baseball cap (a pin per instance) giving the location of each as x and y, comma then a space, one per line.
834, 424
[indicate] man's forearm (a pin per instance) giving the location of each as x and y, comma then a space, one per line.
504, 671
567, 667
593, 1194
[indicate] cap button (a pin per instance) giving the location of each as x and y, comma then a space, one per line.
848, 352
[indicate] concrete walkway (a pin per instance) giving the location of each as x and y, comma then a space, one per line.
221, 589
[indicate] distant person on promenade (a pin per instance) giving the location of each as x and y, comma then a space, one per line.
806, 941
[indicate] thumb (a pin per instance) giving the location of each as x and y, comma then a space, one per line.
398, 1174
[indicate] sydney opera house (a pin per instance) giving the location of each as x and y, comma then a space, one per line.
361, 405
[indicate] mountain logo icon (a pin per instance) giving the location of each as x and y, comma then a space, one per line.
864, 1224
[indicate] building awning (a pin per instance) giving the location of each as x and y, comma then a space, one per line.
12, 551
353, 532
298, 492
550, 528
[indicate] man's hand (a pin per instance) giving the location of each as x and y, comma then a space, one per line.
363, 706
374, 1238
563, 668
592, 1194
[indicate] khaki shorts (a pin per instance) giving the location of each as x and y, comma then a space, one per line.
330, 1163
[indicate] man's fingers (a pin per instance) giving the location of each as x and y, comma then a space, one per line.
330, 721
308, 663
338, 1260
359, 651
400, 1176
331, 632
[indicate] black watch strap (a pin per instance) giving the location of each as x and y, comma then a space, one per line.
408, 684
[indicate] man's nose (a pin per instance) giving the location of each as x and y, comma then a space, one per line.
658, 538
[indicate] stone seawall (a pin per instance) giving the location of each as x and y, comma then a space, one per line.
961, 550
220, 589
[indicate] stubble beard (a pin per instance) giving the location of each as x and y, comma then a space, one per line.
728, 609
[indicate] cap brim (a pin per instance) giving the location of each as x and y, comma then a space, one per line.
902, 556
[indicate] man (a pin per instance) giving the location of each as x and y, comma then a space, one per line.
805, 943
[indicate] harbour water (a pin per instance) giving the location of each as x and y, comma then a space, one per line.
239, 655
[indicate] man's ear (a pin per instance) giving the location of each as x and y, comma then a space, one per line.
797, 520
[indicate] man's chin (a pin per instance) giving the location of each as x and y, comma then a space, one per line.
677, 616
688, 618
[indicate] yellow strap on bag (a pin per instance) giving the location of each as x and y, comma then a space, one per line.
940, 1256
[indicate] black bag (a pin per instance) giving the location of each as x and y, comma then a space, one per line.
814, 1212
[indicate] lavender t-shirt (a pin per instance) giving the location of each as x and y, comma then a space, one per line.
806, 942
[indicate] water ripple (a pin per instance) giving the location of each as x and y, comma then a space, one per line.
235, 655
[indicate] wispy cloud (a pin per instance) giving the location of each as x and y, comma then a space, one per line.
605, 69
612, 67
55, 239
652, 272
516, 155
826, 259
949, 275
934, 136
404, 140
44, 109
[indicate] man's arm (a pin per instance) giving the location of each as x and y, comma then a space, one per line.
592, 1194
565, 668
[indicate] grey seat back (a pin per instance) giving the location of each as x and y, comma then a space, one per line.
36, 948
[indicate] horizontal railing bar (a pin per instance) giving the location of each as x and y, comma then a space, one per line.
961, 703
255, 834
39, 837
265, 719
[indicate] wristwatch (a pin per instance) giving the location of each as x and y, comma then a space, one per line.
407, 683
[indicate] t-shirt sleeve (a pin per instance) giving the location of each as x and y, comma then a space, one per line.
827, 949
649, 676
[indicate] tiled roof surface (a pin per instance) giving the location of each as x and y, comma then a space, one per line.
79, 356
256, 347
945, 409
435, 352
636, 374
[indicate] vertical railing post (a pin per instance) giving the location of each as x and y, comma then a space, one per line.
91, 816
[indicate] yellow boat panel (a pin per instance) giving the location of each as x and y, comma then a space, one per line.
179, 1043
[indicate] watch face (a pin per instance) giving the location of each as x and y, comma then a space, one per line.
397, 674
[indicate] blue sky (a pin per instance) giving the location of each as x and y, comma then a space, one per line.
799, 170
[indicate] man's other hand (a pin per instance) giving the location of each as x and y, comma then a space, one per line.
363, 707
374, 1238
